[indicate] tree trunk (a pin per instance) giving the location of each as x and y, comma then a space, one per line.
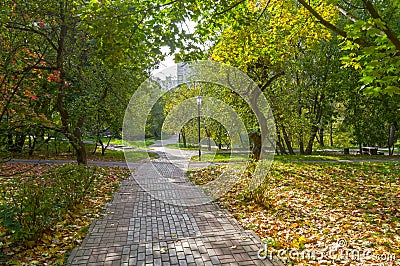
392, 130
74, 135
32, 145
208, 135
280, 143
256, 138
101, 144
301, 143
183, 134
10, 142
55, 145
321, 137
95, 148
331, 134
81, 153
262, 119
104, 147
19, 142
314, 130
301, 137
287, 141
80, 146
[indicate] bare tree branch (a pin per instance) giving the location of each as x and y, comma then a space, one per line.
230, 8
142, 11
31, 29
271, 79
346, 13
330, 26
392, 37
262, 13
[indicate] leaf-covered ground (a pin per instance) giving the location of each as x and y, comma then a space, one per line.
60, 238
351, 210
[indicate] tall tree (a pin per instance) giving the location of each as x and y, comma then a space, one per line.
71, 40
370, 30
278, 45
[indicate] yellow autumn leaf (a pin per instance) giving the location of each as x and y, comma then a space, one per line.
302, 240
295, 243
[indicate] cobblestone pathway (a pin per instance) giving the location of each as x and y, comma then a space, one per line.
142, 228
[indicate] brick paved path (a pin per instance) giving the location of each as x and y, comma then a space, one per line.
143, 229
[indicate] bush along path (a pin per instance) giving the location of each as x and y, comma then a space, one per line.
45, 210
141, 229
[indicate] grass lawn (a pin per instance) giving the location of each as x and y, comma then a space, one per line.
63, 151
135, 144
180, 146
59, 230
220, 157
117, 141
299, 158
118, 156
305, 206
223, 156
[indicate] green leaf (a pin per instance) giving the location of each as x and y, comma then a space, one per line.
391, 90
367, 80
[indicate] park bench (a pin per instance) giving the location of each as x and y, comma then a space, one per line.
370, 151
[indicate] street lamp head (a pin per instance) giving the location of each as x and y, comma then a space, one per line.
198, 100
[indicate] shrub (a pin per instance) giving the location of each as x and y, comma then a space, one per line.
31, 203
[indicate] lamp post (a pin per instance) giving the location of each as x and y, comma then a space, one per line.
198, 100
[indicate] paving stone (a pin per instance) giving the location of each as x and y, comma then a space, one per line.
174, 260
